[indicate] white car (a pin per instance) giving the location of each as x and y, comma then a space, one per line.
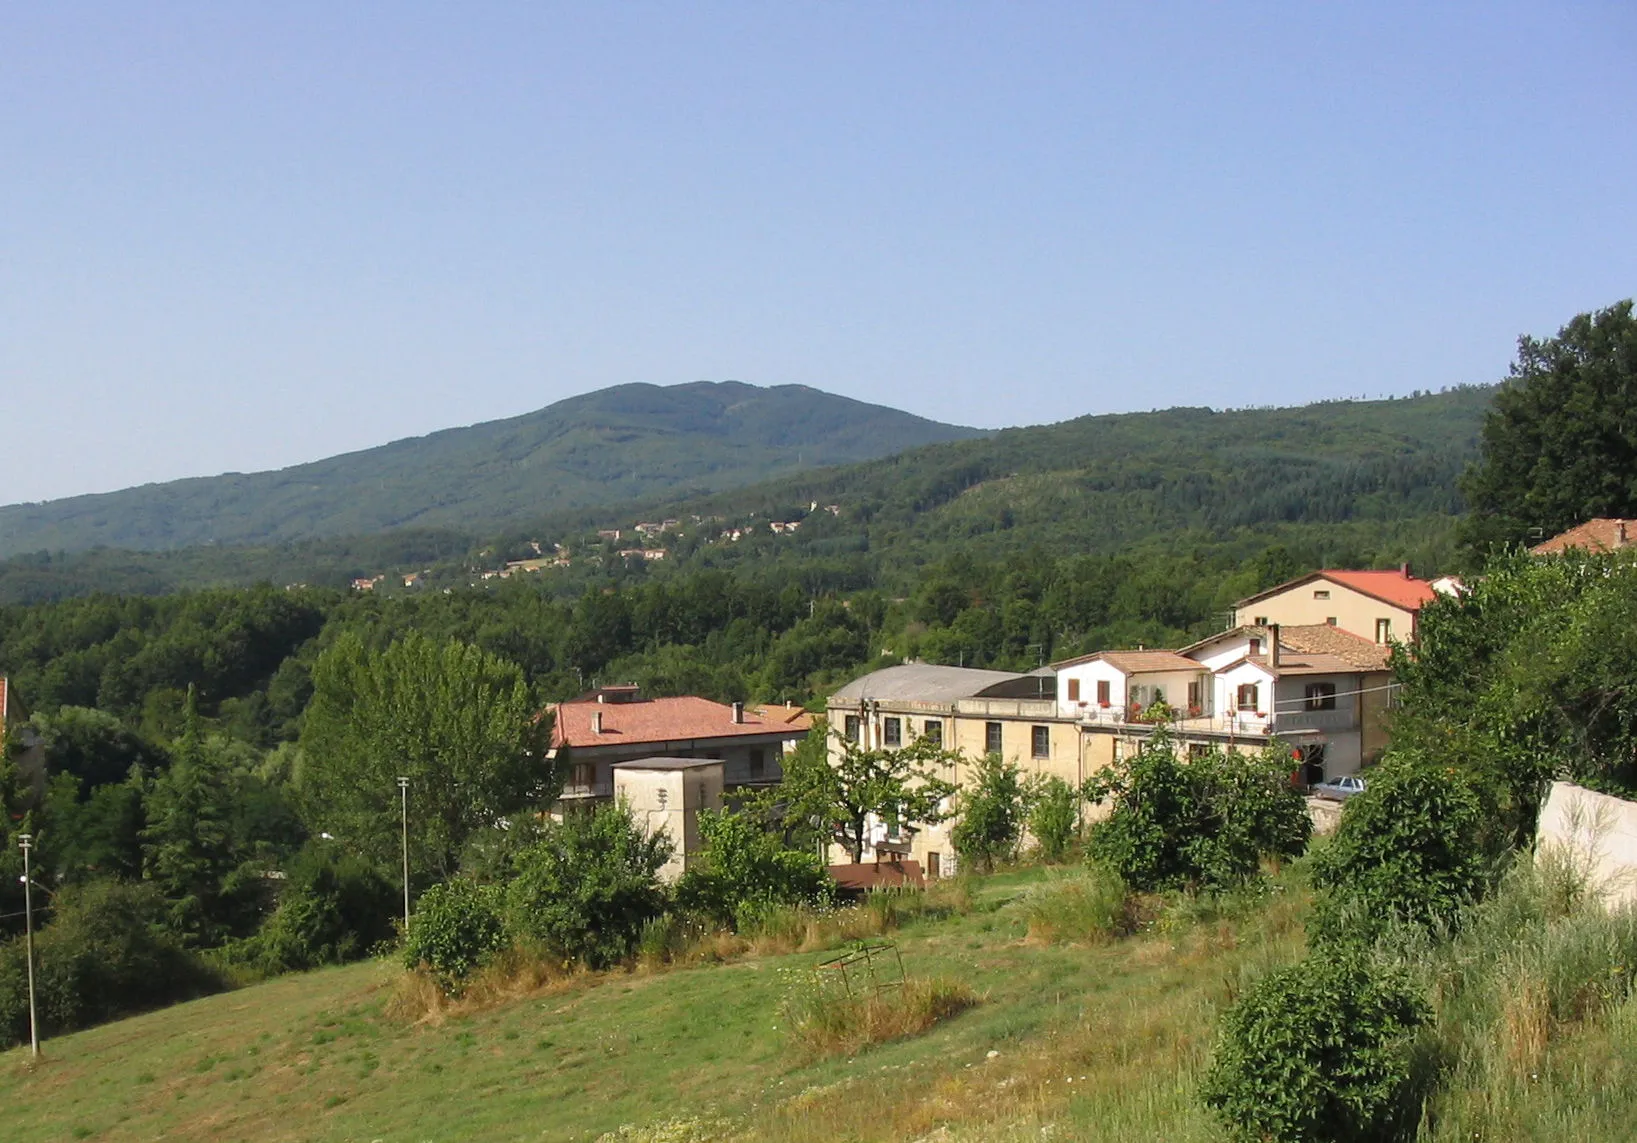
1339, 789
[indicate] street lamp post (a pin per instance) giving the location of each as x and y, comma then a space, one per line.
27, 842
403, 790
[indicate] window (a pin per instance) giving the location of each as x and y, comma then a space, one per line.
1384, 630
852, 728
1102, 692
1331, 620
1074, 690
1261, 621
1321, 594
758, 763
1197, 750
1040, 741
933, 861
892, 731
585, 774
1248, 696
1321, 696
991, 738
1196, 698
935, 731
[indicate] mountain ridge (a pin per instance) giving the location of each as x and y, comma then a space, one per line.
616, 445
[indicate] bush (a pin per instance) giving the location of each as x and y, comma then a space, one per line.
105, 954
1201, 823
1321, 1052
456, 927
1409, 849
1054, 818
744, 872
824, 1022
588, 886
334, 908
991, 814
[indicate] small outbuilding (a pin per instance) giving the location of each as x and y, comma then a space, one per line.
667, 794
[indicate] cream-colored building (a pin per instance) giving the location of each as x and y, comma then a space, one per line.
1381, 606
667, 794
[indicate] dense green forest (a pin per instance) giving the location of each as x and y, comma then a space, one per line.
614, 446
1357, 479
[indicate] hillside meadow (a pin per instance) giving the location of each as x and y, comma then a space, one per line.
1099, 1040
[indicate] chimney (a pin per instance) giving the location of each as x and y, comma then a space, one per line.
596, 722
738, 712
1273, 645
1619, 533
1405, 569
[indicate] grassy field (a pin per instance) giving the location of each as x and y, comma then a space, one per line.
1104, 1041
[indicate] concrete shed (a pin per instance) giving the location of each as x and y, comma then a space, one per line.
667, 794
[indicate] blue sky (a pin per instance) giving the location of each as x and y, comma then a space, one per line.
240, 236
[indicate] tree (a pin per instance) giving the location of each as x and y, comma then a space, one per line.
991, 814
1409, 849
1204, 822
1560, 444
588, 885
896, 787
458, 722
744, 867
1054, 817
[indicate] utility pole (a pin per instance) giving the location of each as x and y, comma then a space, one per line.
403, 790
27, 842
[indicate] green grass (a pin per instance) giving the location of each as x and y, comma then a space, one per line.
1090, 1041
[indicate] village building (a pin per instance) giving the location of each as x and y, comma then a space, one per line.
592, 734
1309, 673
1596, 536
29, 753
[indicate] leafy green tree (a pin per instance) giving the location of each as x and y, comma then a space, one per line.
895, 787
94, 746
742, 868
460, 724
991, 811
1204, 822
334, 907
587, 886
1321, 1052
1410, 848
1560, 444
457, 926
1054, 817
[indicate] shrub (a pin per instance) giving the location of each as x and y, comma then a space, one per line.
1321, 1052
991, 814
456, 927
744, 872
588, 886
334, 908
105, 954
1201, 823
1054, 818
1409, 849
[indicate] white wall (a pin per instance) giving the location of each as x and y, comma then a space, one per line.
1598, 833
1227, 696
1089, 675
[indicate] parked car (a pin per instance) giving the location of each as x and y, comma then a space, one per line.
1339, 789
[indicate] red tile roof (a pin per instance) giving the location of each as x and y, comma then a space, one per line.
1397, 587
686, 718
1604, 534
1321, 638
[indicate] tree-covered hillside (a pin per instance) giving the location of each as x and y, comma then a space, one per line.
614, 446
1344, 477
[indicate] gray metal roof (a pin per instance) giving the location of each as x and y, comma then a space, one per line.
667, 763
922, 682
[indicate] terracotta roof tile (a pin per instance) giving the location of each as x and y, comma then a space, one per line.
1604, 534
1321, 638
684, 718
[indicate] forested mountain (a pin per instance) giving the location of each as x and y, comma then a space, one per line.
614, 446
1352, 478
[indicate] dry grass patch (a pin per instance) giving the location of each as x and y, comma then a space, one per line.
823, 1023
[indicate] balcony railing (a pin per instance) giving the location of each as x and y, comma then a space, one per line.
1230, 722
